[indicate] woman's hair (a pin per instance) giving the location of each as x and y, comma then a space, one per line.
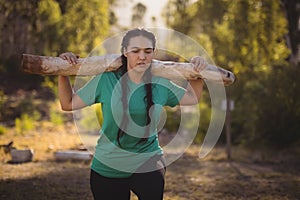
146, 78
137, 32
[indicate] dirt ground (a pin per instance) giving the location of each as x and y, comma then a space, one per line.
250, 175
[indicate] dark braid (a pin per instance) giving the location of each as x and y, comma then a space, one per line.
147, 79
148, 99
124, 85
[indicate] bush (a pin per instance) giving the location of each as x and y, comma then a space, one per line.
280, 108
3, 99
56, 117
2, 130
24, 124
90, 118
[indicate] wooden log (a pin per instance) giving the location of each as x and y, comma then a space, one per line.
46, 65
21, 155
182, 70
73, 155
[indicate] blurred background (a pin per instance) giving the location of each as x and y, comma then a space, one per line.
258, 40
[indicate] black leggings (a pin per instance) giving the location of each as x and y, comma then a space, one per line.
147, 186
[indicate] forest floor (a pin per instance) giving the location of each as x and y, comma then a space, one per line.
249, 175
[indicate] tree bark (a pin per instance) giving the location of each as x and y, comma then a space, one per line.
46, 65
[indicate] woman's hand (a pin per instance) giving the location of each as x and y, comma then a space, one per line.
70, 57
195, 87
199, 63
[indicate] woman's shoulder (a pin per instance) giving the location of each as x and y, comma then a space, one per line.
167, 83
161, 81
158, 79
108, 75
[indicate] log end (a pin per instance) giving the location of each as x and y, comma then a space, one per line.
228, 78
31, 63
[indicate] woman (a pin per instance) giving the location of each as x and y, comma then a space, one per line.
128, 156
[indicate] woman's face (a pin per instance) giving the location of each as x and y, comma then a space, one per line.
139, 53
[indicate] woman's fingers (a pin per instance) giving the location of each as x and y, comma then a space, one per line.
199, 63
70, 57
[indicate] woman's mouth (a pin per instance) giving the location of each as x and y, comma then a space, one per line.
142, 64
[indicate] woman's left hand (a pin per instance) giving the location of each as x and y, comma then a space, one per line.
70, 57
199, 63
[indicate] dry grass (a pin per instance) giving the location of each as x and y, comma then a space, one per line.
215, 178
44, 141
258, 175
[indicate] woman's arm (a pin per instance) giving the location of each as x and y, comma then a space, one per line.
195, 87
68, 99
193, 93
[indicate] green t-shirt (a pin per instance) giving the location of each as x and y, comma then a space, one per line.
111, 159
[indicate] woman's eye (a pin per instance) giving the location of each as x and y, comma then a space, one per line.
145, 51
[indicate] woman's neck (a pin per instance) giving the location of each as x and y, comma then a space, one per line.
135, 77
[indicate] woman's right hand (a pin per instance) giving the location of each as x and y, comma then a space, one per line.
70, 57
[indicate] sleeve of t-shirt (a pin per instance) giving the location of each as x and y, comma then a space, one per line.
90, 92
175, 94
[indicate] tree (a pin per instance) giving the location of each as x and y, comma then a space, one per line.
139, 11
84, 25
17, 23
49, 27
44, 27
248, 37
177, 16
293, 38
46, 35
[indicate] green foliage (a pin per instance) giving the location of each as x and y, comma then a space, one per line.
24, 124
2, 130
282, 91
56, 117
44, 27
84, 25
98, 111
48, 18
23, 102
47, 27
50, 27
248, 37
3, 99
176, 10
205, 117
245, 36
51, 83
191, 121
91, 118
173, 120
254, 48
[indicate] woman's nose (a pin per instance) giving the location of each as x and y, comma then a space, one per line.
142, 55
